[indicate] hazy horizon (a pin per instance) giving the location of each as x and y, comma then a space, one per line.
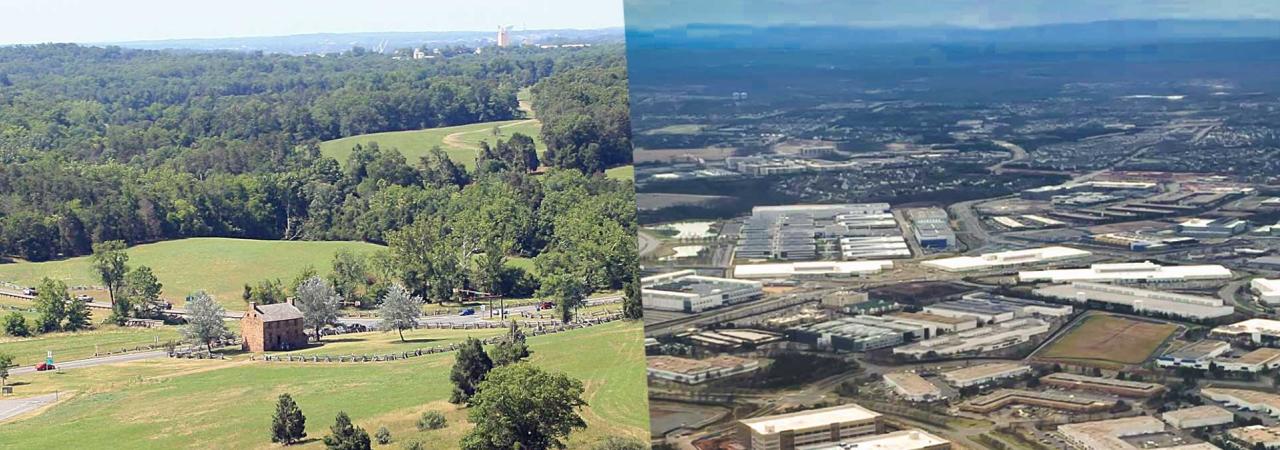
85, 22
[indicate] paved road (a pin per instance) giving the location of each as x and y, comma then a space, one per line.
648, 244
10, 408
104, 305
90, 362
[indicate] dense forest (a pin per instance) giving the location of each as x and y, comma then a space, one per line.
103, 144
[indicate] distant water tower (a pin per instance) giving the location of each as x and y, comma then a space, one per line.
504, 36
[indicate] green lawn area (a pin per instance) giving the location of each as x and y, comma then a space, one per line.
217, 265
377, 342
81, 344
228, 404
460, 142
621, 173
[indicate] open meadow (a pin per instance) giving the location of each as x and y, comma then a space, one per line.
167, 403
219, 266
460, 142
1108, 341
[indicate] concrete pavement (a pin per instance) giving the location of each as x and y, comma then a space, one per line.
10, 408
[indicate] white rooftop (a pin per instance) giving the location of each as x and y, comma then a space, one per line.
1128, 271
898, 440
1251, 326
989, 260
809, 268
816, 418
1266, 286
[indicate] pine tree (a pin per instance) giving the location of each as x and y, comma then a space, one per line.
344, 435
512, 348
470, 366
288, 425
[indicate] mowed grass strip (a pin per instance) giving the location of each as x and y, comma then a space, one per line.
221, 266
228, 404
67, 346
460, 142
1105, 338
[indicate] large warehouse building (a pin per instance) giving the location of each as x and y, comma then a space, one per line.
898, 440
1132, 273
804, 428
1139, 301
1268, 290
810, 269
686, 291
978, 340
1005, 260
1265, 332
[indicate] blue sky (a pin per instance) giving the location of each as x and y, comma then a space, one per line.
35, 21
646, 14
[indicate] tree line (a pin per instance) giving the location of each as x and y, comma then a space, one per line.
101, 144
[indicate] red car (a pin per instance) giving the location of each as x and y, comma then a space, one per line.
546, 305
43, 367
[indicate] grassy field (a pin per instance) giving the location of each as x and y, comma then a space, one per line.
217, 265
82, 344
378, 342
621, 173
1109, 341
460, 142
228, 404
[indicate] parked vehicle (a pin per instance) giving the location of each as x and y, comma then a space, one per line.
468, 312
30, 291
84, 298
546, 305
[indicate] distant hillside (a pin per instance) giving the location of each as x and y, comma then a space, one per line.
1105, 32
337, 42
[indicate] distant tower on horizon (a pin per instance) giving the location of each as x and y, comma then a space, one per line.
504, 37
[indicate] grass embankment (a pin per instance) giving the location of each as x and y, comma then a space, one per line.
460, 142
220, 266
167, 403
67, 346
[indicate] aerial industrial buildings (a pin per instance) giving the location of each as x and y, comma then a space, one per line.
1008, 397
1213, 228
984, 373
856, 334
696, 371
1263, 402
1198, 417
1125, 388
1140, 301
991, 308
1197, 356
913, 387
804, 428
1265, 332
1132, 273
1005, 260
810, 269
686, 291
852, 231
898, 440
978, 340
1268, 290
1111, 434
932, 228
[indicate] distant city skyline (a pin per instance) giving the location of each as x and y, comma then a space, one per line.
649, 14
80, 21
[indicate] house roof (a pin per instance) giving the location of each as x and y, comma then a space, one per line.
278, 311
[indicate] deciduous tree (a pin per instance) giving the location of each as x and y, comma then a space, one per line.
204, 320
400, 310
470, 366
318, 302
522, 406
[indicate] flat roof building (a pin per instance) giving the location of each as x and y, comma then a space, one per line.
1213, 228
912, 439
1255, 435
991, 308
939, 323
698, 371
1004, 260
1139, 301
1198, 355
1110, 434
1198, 417
810, 269
1113, 386
1002, 398
932, 228
984, 373
978, 340
1268, 290
805, 428
686, 291
1257, 331
1263, 402
857, 334
1130, 273
913, 387
1260, 360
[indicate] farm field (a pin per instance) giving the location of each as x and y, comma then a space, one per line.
1109, 341
220, 266
230, 402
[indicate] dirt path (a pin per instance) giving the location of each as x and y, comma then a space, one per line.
455, 139
10, 408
